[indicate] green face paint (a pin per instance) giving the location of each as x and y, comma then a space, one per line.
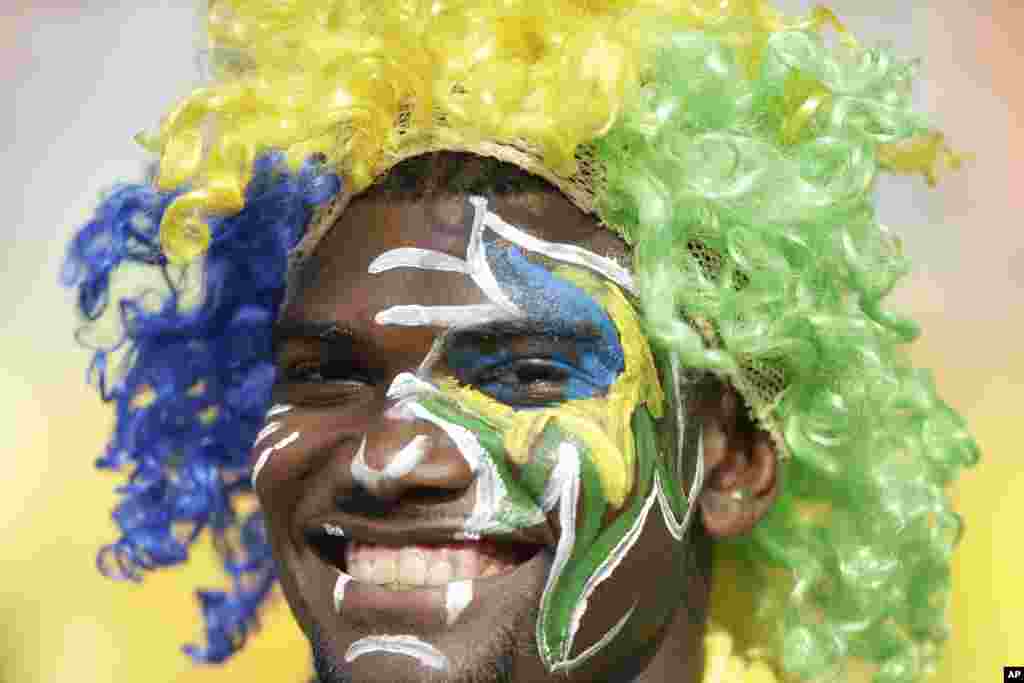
588, 452
596, 455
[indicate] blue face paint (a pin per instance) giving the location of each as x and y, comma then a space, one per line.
562, 309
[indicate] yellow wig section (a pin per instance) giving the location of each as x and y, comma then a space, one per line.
361, 81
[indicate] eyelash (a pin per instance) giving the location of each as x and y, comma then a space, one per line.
504, 381
315, 372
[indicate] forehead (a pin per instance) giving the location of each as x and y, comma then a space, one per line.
337, 286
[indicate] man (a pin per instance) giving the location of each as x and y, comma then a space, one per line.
490, 438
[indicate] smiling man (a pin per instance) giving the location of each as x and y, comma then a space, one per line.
474, 449
508, 314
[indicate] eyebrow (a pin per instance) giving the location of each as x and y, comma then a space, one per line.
323, 330
528, 327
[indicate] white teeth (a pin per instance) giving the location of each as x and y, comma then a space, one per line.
465, 564
412, 567
385, 571
439, 573
415, 566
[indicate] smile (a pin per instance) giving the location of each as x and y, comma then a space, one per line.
424, 576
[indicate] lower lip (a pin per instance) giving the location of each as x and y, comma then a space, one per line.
428, 606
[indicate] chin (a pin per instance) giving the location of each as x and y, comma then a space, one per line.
474, 630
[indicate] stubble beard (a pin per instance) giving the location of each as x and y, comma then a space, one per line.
493, 663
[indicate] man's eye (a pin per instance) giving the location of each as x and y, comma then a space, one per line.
528, 382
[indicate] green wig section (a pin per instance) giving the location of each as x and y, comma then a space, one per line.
748, 202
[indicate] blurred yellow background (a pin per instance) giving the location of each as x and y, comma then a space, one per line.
82, 76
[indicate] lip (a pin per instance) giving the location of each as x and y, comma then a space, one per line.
425, 608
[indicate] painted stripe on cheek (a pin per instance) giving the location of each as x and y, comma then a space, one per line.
279, 408
339, 590
265, 455
267, 431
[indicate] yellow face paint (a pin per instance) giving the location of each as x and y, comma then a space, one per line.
602, 424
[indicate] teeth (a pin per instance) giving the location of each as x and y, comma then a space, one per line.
465, 564
412, 567
385, 571
419, 565
439, 573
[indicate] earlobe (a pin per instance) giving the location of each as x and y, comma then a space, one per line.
740, 467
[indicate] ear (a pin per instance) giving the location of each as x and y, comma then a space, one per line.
739, 465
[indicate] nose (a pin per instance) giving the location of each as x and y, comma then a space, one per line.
398, 456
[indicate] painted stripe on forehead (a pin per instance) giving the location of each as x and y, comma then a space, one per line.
558, 251
408, 646
440, 316
476, 265
412, 257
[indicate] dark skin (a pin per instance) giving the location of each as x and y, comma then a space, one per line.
311, 481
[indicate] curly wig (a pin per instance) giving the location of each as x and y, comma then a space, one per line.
735, 149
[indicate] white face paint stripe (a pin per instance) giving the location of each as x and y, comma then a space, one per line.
265, 455
465, 440
407, 385
409, 646
604, 570
567, 253
440, 316
559, 474
479, 268
401, 464
675, 527
569, 480
266, 431
421, 259
600, 644
457, 599
339, 590
278, 408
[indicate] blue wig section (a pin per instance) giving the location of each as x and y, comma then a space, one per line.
192, 391
565, 308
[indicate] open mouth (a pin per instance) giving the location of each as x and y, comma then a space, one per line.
418, 565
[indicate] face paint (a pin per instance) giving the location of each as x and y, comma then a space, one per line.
439, 316
457, 598
408, 646
403, 462
267, 452
591, 452
277, 409
266, 431
339, 590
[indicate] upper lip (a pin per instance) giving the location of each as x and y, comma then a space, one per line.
397, 532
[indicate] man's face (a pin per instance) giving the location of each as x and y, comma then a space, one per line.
469, 472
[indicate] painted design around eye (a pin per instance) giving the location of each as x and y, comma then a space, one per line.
592, 453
